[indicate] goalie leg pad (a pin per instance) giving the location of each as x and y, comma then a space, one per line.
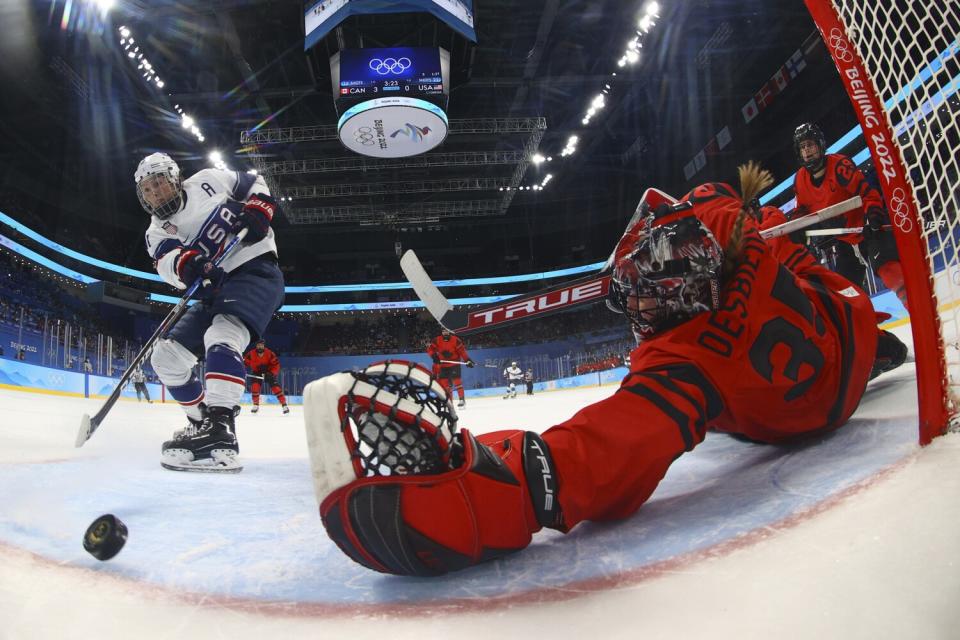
426, 525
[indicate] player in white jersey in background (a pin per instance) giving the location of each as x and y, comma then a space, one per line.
191, 223
514, 376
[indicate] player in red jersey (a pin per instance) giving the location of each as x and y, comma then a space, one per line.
826, 179
264, 364
447, 352
735, 333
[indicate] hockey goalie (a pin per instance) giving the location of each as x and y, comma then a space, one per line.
734, 333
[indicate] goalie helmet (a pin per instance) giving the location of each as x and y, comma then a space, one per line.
672, 274
810, 131
159, 186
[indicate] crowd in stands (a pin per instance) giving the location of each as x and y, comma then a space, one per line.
404, 332
36, 304
33, 301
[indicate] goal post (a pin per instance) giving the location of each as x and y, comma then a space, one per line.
899, 61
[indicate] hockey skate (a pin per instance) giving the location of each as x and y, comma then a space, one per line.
255, 408
286, 409
205, 446
461, 404
891, 353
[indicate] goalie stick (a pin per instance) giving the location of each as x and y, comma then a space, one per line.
565, 295
89, 425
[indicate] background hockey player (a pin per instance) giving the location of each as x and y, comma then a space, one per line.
514, 376
191, 222
447, 352
139, 380
528, 380
826, 179
728, 338
264, 363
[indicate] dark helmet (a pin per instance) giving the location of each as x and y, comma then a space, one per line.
673, 274
810, 131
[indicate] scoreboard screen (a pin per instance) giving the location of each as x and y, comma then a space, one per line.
396, 71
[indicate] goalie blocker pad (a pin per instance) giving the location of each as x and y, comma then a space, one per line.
500, 489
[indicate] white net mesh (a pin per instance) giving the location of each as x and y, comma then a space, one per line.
911, 48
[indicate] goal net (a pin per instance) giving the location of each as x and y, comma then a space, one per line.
900, 63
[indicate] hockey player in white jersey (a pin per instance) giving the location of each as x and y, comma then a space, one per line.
514, 376
191, 223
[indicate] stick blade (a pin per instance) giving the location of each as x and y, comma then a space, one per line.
85, 431
435, 302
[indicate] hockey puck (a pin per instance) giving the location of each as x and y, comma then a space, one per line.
105, 537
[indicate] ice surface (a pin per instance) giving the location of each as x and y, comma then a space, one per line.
853, 535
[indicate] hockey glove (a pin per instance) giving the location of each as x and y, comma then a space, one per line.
873, 220
256, 216
401, 492
192, 265
436, 359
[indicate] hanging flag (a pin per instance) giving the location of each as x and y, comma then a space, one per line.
724, 138
750, 110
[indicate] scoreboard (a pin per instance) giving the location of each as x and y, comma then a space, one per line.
394, 71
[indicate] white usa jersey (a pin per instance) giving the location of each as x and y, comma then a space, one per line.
513, 373
212, 200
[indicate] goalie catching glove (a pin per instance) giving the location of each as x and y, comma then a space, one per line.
402, 492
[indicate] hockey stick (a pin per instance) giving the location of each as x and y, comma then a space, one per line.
566, 295
454, 361
89, 425
803, 222
257, 377
545, 302
842, 231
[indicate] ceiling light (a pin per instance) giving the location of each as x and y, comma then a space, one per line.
124, 32
653, 8
187, 121
538, 158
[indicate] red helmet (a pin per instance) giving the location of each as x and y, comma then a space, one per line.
671, 275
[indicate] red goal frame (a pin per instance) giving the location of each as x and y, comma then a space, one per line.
933, 390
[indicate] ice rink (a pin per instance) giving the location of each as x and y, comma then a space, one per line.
855, 535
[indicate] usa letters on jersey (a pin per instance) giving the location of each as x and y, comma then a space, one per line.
212, 201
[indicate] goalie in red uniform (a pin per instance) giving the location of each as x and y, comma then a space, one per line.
265, 367
826, 179
729, 337
447, 352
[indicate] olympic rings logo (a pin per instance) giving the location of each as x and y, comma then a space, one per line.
386, 66
840, 45
364, 136
900, 210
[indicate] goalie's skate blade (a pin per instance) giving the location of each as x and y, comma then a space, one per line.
84, 434
201, 468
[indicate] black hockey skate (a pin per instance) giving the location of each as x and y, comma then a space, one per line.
891, 353
461, 404
286, 409
206, 446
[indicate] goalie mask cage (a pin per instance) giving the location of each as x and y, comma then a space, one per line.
900, 63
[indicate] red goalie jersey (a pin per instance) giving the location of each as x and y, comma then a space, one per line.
798, 340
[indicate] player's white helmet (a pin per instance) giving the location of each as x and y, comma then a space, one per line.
159, 186
513, 364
